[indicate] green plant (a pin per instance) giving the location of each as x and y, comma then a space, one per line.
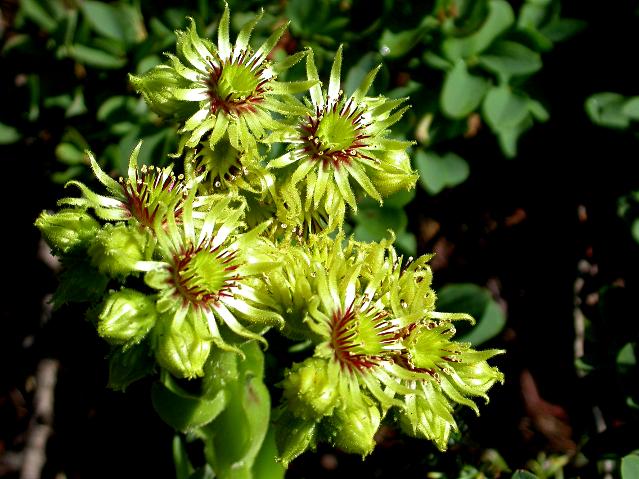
187, 271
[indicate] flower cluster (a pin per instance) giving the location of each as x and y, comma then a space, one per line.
195, 265
379, 345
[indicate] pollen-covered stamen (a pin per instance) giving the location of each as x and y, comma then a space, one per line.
335, 134
236, 85
202, 275
150, 189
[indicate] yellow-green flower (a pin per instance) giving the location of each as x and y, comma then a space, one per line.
208, 273
378, 339
341, 148
144, 197
232, 89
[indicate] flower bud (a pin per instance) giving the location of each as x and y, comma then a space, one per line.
428, 416
127, 316
393, 174
67, 229
179, 347
116, 249
352, 428
157, 86
310, 389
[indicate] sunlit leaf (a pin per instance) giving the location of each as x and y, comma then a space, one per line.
606, 109
462, 92
95, 58
500, 18
507, 59
503, 109
438, 172
478, 302
630, 466
8, 134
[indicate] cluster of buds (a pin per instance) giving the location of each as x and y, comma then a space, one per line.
209, 259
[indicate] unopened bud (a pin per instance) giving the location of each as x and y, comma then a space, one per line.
127, 316
179, 347
67, 229
310, 389
352, 428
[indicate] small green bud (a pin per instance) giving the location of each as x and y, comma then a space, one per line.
352, 428
157, 87
180, 348
67, 229
310, 388
116, 249
394, 174
127, 316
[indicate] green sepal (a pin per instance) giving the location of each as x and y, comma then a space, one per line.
67, 230
126, 317
127, 365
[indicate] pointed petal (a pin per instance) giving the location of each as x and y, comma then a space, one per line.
334, 83
267, 46
364, 181
365, 85
223, 38
241, 43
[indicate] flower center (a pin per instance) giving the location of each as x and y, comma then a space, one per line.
334, 136
359, 338
202, 277
235, 87
335, 133
236, 82
151, 190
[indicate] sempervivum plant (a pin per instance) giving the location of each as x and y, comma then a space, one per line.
379, 344
339, 148
186, 270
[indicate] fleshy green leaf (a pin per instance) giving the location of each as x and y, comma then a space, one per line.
504, 109
439, 172
500, 18
396, 45
606, 109
478, 302
184, 411
236, 436
33, 10
69, 154
462, 92
79, 282
183, 467
95, 58
631, 108
127, 365
507, 59
8, 134
630, 466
